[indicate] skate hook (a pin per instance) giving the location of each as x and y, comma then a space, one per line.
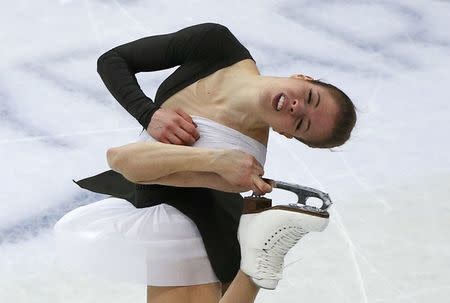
303, 193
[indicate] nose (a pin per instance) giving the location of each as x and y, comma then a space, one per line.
296, 107
299, 107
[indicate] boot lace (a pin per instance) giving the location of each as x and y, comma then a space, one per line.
271, 260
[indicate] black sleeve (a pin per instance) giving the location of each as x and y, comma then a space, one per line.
118, 67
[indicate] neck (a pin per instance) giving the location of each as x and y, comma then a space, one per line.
245, 97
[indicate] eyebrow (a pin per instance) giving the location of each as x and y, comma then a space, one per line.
318, 99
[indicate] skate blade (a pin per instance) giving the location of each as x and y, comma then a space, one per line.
300, 208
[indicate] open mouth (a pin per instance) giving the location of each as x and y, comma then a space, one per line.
279, 101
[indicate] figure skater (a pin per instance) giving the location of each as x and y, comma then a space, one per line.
176, 220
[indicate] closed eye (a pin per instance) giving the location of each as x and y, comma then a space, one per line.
318, 100
299, 124
310, 96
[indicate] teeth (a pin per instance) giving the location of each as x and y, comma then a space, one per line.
280, 102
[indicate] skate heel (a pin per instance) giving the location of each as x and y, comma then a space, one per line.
256, 204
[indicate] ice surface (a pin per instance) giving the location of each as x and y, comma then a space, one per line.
387, 240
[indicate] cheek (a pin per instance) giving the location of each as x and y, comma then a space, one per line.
281, 125
287, 123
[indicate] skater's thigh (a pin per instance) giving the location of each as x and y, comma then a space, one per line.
202, 293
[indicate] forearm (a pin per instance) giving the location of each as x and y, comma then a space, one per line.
143, 162
197, 179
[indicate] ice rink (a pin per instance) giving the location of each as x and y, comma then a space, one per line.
388, 236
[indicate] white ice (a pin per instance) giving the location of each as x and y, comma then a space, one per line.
387, 240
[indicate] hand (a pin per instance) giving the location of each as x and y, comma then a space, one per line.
242, 170
173, 126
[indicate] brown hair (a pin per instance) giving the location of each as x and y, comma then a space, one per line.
345, 120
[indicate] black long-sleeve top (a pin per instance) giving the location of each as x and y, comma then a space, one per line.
199, 50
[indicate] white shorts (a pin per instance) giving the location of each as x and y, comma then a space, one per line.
158, 245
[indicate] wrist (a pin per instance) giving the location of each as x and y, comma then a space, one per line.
217, 160
147, 116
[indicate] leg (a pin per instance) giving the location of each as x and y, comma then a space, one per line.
241, 290
202, 293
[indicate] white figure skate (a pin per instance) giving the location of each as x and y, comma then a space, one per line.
266, 236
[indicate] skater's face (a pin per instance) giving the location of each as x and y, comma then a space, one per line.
308, 112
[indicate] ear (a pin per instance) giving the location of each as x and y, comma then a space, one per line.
302, 77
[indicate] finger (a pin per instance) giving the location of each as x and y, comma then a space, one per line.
269, 181
268, 187
158, 136
174, 139
256, 190
184, 136
164, 140
257, 185
187, 123
190, 129
185, 116
262, 186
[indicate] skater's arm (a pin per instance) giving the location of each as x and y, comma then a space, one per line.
184, 166
198, 179
118, 67
143, 162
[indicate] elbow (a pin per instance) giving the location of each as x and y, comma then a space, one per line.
103, 60
111, 156
119, 161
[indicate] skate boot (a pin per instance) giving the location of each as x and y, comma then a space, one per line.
266, 234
